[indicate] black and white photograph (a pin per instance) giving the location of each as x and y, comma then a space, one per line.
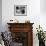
20, 10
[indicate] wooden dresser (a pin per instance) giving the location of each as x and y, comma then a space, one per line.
22, 33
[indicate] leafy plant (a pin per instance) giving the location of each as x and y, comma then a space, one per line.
40, 33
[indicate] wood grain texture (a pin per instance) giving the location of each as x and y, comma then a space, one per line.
23, 27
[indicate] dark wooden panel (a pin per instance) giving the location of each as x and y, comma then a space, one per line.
22, 27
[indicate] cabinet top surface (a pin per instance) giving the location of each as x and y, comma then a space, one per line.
19, 23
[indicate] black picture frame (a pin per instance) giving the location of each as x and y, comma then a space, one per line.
20, 10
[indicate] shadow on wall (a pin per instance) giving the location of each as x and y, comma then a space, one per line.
43, 6
0, 15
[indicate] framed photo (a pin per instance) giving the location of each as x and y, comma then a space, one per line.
20, 10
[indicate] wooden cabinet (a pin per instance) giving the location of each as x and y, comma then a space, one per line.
22, 33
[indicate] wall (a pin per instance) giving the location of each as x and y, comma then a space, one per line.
0, 15
33, 10
43, 14
43, 6
33, 14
